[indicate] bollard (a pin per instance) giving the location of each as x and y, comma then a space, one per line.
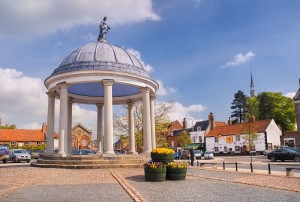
269, 168
251, 167
236, 168
223, 165
198, 164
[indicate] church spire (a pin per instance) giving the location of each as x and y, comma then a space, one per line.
252, 88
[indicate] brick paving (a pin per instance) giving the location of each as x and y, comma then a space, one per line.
26, 183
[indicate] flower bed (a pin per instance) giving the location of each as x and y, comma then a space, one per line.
155, 171
162, 155
176, 171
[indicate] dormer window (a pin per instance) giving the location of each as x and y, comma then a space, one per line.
199, 128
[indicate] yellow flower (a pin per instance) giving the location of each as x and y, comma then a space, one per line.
177, 165
163, 151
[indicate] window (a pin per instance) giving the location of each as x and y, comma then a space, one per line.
12, 143
238, 138
200, 139
198, 128
26, 143
225, 148
216, 139
39, 143
172, 133
237, 148
216, 149
172, 143
230, 149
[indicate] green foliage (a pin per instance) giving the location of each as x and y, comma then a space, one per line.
250, 134
252, 107
238, 107
184, 139
6, 126
278, 107
30, 147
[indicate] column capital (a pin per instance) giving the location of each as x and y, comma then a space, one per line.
50, 94
145, 89
99, 105
108, 82
63, 85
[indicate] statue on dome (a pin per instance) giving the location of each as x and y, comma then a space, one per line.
103, 30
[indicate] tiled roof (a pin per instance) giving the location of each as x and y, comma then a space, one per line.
22, 135
258, 126
220, 123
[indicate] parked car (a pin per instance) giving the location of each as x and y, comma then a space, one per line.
17, 155
42, 153
267, 151
87, 152
176, 155
35, 154
208, 155
3, 154
198, 154
185, 154
284, 154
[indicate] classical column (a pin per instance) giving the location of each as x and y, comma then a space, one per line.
108, 118
99, 129
63, 120
152, 109
146, 121
50, 124
131, 149
70, 127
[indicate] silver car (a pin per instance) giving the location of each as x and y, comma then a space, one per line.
18, 155
208, 155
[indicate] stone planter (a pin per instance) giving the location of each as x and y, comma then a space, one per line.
176, 173
163, 158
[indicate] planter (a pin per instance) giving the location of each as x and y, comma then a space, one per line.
176, 173
163, 158
155, 175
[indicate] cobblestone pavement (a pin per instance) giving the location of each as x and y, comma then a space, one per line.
49, 184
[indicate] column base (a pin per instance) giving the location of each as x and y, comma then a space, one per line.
109, 155
100, 153
132, 152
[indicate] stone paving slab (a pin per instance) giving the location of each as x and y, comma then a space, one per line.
50, 184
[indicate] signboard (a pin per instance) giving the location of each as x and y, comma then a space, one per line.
229, 139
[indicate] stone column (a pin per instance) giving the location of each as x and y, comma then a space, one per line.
152, 109
108, 119
50, 124
70, 127
99, 129
131, 145
63, 120
146, 121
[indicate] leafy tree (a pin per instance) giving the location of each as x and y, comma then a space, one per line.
252, 109
161, 122
184, 138
273, 105
6, 126
238, 106
250, 135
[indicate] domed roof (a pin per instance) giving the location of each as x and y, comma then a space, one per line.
101, 56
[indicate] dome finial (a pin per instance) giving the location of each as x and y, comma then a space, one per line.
103, 30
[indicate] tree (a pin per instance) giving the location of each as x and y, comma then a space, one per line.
161, 121
250, 134
278, 107
252, 109
184, 138
238, 106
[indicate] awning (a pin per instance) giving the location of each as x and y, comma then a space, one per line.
190, 146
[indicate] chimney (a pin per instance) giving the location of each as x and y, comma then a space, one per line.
229, 121
211, 120
44, 128
184, 123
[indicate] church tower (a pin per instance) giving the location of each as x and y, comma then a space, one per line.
252, 88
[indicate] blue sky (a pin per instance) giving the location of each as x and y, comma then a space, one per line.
201, 51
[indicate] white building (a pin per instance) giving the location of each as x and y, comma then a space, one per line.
235, 138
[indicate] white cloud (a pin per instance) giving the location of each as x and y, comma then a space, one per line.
179, 111
23, 101
164, 90
28, 18
240, 59
138, 55
290, 94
